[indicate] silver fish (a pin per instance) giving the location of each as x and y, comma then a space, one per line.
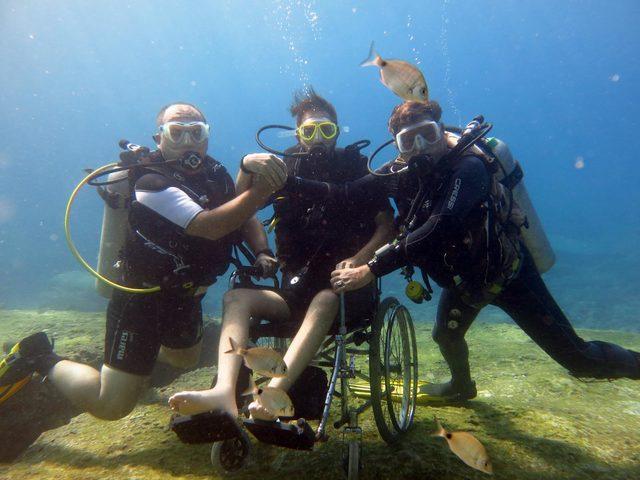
262, 360
402, 78
274, 400
467, 447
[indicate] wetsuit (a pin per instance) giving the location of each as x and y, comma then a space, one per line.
448, 245
158, 251
313, 235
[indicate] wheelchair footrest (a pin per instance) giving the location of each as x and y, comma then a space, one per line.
207, 427
296, 437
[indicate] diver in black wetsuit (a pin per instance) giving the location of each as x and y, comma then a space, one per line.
465, 235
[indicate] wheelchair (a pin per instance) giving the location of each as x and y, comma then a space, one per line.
373, 363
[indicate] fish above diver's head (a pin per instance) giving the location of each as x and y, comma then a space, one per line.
402, 78
467, 447
262, 360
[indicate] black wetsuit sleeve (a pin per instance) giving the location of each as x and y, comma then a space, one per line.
466, 187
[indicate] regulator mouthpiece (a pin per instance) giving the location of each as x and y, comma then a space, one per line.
190, 161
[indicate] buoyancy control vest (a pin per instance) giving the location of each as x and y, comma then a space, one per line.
484, 253
313, 231
150, 250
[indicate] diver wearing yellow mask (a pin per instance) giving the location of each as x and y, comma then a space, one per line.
313, 236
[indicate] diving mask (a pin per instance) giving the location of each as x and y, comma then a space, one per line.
419, 136
180, 133
308, 131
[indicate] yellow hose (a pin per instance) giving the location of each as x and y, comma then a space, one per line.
72, 246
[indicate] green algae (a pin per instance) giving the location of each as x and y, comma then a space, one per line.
535, 420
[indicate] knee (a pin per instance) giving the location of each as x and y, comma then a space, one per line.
443, 334
231, 297
115, 409
323, 308
326, 299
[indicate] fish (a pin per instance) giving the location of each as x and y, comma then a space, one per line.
402, 78
467, 447
274, 400
262, 360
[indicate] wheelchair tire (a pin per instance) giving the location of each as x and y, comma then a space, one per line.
393, 350
400, 362
231, 456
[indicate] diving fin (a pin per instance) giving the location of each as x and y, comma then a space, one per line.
32, 354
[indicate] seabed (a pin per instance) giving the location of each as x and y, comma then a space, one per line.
535, 421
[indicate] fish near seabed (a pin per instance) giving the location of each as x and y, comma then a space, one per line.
274, 400
402, 78
262, 360
467, 447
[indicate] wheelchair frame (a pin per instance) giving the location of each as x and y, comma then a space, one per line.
392, 377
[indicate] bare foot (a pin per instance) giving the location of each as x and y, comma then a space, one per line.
258, 412
190, 403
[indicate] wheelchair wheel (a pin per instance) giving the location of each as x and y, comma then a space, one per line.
232, 455
401, 369
393, 369
280, 345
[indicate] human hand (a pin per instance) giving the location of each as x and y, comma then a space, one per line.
348, 263
267, 264
261, 185
269, 166
349, 279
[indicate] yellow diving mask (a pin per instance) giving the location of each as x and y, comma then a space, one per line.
308, 131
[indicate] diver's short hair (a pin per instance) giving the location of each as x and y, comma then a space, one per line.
410, 112
162, 111
308, 100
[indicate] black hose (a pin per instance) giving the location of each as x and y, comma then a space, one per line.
373, 155
273, 150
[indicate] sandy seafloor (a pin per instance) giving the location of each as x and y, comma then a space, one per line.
535, 420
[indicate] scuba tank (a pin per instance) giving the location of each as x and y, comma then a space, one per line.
533, 234
510, 174
116, 195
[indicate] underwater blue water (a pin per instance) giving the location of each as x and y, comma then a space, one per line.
559, 80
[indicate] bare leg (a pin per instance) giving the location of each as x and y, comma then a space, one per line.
317, 322
238, 307
109, 394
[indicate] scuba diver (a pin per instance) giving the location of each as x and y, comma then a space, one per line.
183, 220
464, 229
313, 237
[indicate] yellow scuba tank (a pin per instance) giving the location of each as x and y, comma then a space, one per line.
114, 225
534, 236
